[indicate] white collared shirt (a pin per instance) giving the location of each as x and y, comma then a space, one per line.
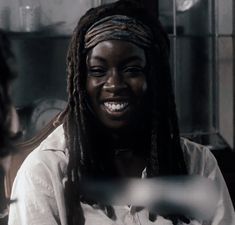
39, 189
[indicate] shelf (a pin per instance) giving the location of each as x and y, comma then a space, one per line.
36, 35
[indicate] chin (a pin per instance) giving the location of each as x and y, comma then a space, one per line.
117, 125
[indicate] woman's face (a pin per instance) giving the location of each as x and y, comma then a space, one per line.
116, 82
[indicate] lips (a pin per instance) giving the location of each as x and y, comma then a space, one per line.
116, 106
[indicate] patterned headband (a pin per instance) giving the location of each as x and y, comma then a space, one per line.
119, 27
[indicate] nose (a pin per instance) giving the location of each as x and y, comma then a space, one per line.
114, 82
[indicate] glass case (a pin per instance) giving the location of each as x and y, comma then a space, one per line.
201, 37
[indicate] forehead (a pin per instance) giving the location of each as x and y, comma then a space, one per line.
116, 49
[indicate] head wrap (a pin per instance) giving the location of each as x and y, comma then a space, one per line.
119, 27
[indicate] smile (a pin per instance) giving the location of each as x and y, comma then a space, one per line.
116, 106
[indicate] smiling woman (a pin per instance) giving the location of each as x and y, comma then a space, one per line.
116, 82
120, 123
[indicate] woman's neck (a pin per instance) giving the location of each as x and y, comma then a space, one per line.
129, 164
121, 152
128, 150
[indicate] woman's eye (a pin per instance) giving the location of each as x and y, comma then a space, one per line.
96, 72
133, 71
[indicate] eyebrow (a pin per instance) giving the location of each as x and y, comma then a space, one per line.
132, 58
125, 61
99, 58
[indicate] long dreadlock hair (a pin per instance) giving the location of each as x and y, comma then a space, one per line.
165, 155
7, 73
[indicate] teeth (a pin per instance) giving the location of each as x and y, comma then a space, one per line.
115, 107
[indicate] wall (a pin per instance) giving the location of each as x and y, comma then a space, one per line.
62, 14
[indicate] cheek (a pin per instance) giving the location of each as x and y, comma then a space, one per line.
139, 86
89, 86
93, 87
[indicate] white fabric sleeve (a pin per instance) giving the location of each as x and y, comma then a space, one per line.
38, 190
224, 214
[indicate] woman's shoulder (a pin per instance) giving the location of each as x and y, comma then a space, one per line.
190, 147
40, 182
50, 156
198, 158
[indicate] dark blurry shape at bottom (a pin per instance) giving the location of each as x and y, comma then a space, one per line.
195, 197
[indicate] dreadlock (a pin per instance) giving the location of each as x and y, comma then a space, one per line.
7, 74
165, 156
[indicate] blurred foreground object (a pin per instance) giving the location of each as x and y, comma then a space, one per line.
9, 123
191, 196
